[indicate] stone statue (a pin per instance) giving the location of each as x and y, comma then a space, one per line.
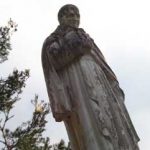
83, 90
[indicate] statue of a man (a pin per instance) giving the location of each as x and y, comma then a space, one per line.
83, 90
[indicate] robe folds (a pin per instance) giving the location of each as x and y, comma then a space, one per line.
85, 94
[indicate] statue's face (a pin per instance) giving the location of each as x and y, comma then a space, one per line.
70, 17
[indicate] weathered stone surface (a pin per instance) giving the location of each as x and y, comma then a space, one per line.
83, 90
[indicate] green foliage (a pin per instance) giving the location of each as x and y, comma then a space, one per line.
11, 87
28, 135
61, 146
5, 34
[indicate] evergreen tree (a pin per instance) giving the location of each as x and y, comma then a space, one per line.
27, 136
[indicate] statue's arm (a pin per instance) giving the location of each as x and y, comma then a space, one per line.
59, 57
57, 95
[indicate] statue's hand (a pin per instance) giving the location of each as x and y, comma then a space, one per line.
54, 48
73, 40
77, 39
87, 42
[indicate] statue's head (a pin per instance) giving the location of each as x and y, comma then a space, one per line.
69, 15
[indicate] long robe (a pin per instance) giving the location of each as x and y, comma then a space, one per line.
85, 94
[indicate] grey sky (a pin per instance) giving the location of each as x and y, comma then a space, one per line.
121, 29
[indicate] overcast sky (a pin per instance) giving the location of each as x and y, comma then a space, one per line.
120, 28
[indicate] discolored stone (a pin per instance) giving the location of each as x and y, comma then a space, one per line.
83, 90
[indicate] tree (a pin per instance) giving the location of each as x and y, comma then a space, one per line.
27, 136
5, 34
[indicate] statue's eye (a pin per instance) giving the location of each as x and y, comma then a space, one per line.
71, 15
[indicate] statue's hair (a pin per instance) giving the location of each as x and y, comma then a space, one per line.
64, 10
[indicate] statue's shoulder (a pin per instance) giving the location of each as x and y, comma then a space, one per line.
53, 37
81, 30
49, 40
